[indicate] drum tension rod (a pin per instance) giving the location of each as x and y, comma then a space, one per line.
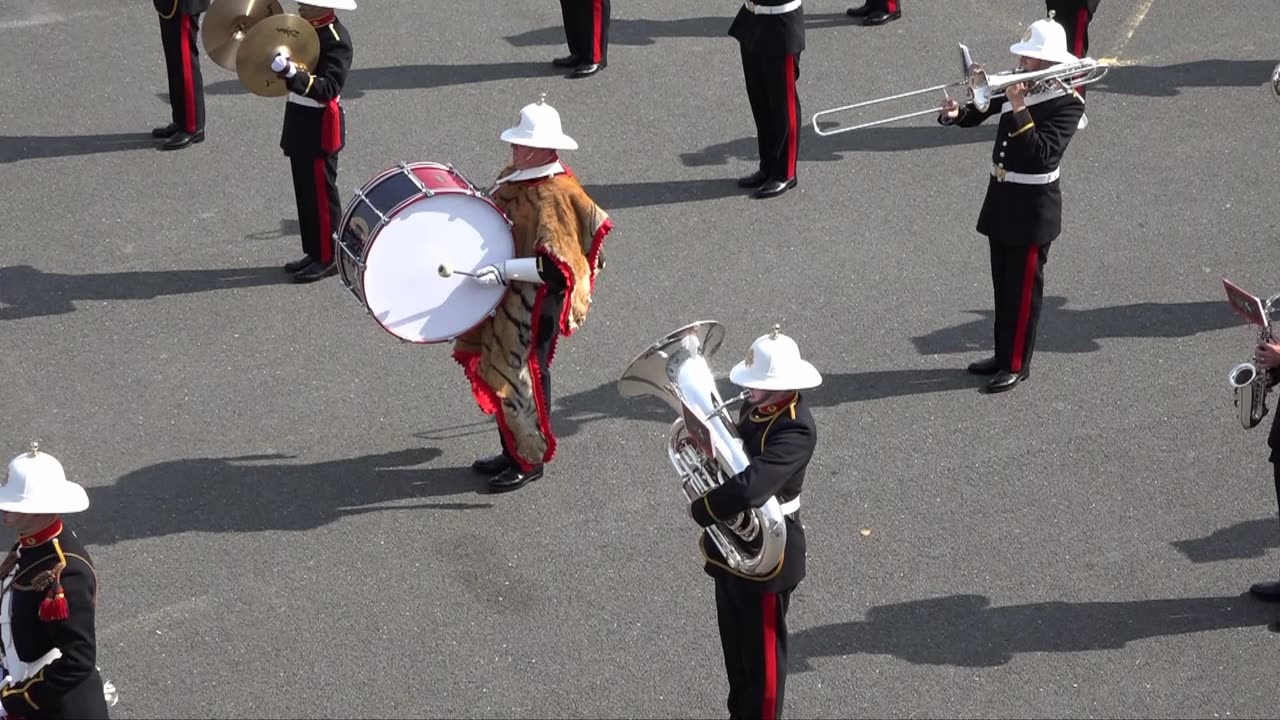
360, 194
404, 167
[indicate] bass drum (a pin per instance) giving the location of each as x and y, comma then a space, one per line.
397, 232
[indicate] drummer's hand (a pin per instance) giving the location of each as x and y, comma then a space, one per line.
490, 275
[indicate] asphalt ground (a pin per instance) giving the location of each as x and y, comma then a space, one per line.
282, 517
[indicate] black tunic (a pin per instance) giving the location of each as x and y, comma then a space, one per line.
70, 686
1031, 142
769, 34
780, 446
304, 127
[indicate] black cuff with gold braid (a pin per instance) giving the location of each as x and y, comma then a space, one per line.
700, 510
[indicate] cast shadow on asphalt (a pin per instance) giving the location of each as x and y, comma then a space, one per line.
965, 631
1167, 80
814, 148
255, 493
572, 412
27, 292
640, 32
31, 147
1247, 539
1065, 330
417, 77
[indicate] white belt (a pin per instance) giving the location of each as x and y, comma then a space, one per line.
789, 507
772, 9
1002, 175
304, 101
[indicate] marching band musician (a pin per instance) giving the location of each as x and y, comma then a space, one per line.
49, 593
1267, 358
559, 234
179, 28
586, 28
770, 36
779, 435
315, 131
1022, 213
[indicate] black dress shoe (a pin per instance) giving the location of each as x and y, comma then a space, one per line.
568, 61
754, 180
492, 466
513, 477
164, 132
296, 265
587, 70
1269, 591
990, 366
1005, 380
315, 271
881, 17
861, 11
179, 140
774, 188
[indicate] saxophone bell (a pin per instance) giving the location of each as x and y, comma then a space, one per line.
1242, 374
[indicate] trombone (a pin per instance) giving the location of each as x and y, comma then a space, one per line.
981, 89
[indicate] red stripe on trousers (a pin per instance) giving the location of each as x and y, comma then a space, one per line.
322, 205
892, 6
1024, 308
1082, 24
769, 613
793, 135
597, 38
188, 90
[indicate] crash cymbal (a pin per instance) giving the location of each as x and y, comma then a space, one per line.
264, 41
225, 25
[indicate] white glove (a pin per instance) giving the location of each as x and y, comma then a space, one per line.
490, 275
281, 62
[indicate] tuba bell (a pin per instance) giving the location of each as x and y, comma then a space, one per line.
703, 444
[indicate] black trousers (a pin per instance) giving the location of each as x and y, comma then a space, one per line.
1276, 469
775, 104
753, 634
586, 28
315, 187
179, 35
548, 330
1017, 276
1074, 18
889, 6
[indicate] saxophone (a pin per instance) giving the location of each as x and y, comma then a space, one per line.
1250, 382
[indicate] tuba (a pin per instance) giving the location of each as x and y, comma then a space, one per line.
1251, 383
703, 445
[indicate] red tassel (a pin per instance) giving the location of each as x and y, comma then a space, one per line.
54, 605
